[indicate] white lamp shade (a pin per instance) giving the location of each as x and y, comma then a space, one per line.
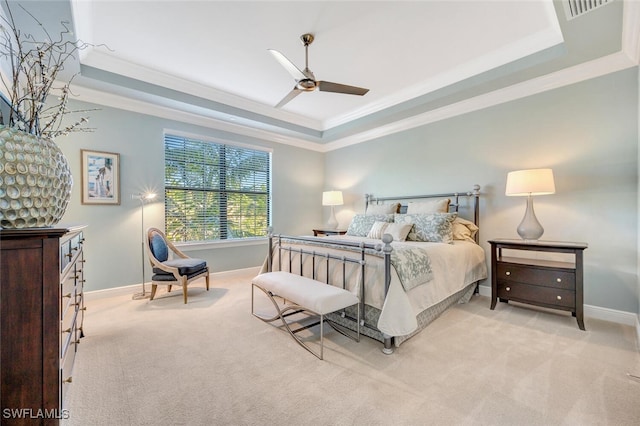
530, 182
332, 198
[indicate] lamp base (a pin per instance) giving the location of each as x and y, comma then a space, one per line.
333, 222
530, 229
140, 296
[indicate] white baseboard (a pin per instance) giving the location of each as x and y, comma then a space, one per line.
597, 312
136, 288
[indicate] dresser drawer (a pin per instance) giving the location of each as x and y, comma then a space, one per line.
537, 275
66, 366
544, 296
67, 294
67, 337
69, 249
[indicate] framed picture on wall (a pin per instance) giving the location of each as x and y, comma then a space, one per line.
100, 177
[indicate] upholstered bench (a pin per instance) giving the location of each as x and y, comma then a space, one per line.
304, 294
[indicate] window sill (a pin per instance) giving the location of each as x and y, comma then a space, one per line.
206, 245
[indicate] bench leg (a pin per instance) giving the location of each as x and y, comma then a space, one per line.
281, 313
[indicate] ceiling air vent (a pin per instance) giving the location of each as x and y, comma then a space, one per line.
575, 8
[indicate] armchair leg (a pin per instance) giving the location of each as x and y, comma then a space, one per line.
154, 287
207, 279
169, 289
184, 287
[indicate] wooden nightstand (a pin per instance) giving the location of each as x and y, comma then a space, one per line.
551, 284
319, 232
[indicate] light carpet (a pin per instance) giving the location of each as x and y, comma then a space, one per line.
211, 362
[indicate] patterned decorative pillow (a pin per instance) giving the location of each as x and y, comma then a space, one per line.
383, 208
433, 227
361, 224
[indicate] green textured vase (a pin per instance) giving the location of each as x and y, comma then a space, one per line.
35, 180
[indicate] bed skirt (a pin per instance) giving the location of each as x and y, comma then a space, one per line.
424, 318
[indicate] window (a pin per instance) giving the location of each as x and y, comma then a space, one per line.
215, 191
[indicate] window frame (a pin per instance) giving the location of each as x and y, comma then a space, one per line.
220, 242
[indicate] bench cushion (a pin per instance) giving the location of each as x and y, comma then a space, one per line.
310, 294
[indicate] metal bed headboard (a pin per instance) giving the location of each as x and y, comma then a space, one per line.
453, 206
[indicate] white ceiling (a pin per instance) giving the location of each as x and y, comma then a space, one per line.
206, 62
398, 50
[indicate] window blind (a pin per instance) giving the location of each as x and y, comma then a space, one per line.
215, 191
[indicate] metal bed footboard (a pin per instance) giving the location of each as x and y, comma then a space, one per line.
291, 256
384, 249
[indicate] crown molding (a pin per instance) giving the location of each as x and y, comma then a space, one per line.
585, 71
86, 94
103, 61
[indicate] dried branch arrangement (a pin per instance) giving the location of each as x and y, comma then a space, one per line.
34, 66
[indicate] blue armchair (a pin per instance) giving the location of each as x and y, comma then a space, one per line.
171, 266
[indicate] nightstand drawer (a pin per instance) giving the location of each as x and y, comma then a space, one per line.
536, 275
546, 296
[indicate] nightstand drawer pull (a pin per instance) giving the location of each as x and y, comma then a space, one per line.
508, 288
559, 297
559, 280
507, 273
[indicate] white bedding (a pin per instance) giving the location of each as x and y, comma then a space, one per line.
454, 266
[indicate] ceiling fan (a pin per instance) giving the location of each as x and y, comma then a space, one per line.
305, 80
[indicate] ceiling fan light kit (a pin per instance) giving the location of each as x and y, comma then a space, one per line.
305, 80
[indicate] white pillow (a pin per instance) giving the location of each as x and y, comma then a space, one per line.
382, 208
398, 231
432, 206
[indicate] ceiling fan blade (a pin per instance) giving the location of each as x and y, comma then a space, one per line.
292, 94
288, 65
327, 86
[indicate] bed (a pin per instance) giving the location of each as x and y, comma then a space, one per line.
424, 260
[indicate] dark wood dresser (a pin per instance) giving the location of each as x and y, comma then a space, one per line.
548, 283
41, 320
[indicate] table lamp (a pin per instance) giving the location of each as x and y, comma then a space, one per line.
529, 183
332, 198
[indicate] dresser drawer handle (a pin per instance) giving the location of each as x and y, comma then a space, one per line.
559, 297
68, 330
67, 295
559, 280
507, 273
68, 380
508, 288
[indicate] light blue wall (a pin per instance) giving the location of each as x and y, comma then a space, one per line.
114, 234
586, 132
